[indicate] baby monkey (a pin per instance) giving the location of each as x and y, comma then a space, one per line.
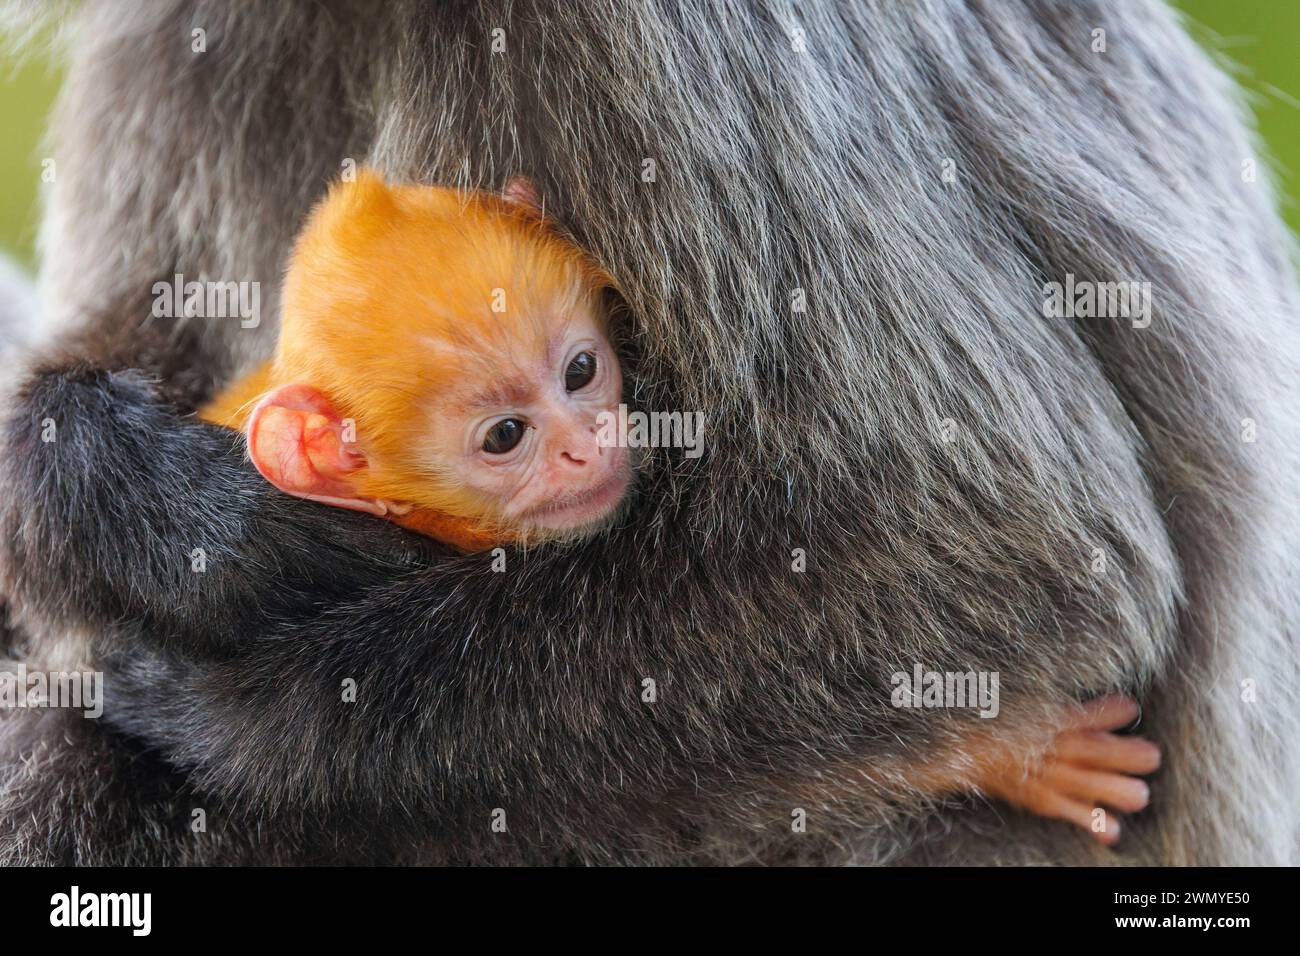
444, 359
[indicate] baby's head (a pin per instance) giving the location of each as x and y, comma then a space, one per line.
444, 356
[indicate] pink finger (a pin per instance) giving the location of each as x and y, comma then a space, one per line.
1047, 802
1107, 751
1127, 794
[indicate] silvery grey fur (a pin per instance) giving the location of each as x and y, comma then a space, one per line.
948, 458
17, 304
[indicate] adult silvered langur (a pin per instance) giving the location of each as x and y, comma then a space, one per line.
834, 226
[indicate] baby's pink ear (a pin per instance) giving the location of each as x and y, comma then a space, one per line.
295, 438
521, 191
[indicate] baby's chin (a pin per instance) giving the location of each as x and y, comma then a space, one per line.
575, 520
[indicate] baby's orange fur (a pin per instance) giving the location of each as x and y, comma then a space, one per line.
388, 299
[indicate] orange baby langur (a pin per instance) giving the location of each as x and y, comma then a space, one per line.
443, 360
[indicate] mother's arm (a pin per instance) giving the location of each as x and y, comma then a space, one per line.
945, 459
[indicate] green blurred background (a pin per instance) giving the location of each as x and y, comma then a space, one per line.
1261, 36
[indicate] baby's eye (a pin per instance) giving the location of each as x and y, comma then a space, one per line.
503, 436
580, 371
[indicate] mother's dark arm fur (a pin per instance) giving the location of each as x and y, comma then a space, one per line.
951, 461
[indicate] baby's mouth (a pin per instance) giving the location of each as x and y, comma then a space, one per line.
581, 508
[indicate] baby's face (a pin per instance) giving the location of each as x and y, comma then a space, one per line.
522, 437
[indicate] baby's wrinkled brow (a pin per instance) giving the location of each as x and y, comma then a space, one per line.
501, 394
